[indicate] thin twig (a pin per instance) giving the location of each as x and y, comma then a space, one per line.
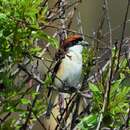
41, 123
128, 119
9, 113
122, 36
75, 113
24, 126
108, 86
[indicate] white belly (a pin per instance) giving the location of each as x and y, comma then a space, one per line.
72, 67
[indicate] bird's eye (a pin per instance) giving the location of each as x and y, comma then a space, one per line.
78, 43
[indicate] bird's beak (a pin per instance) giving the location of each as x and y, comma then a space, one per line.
84, 44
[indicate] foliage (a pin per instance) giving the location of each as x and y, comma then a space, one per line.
88, 122
19, 30
118, 107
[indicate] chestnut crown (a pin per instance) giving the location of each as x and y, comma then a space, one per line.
71, 41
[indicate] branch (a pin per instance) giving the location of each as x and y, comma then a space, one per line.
122, 37
9, 113
24, 126
108, 86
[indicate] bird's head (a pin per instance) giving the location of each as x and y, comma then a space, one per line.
73, 43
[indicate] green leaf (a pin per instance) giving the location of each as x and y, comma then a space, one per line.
93, 87
41, 35
10, 109
48, 80
25, 101
7, 125
88, 122
2, 16
35, 50
125, 82
44, 11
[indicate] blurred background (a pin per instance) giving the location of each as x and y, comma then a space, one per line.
91, 12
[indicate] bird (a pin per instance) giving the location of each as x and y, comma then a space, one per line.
67, 72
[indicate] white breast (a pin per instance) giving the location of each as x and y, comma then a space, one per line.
72, 67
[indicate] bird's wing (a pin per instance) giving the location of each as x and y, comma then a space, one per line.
57, 72
56, 68
52, 94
